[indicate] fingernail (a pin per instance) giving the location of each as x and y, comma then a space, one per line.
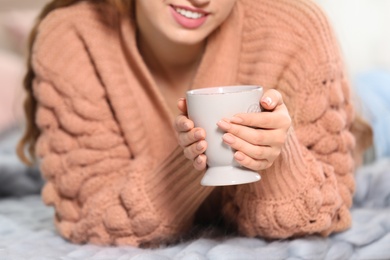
198, 160
236, 120
224, 125
239, 156
200, 146
198, 134
180, 99
228, 138
267, 100
187, 125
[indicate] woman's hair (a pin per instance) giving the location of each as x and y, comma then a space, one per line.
32, 132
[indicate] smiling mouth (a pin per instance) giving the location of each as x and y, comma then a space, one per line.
188, 13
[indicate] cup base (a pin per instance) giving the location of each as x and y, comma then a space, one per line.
228, 175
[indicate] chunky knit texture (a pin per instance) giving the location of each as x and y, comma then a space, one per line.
115, 173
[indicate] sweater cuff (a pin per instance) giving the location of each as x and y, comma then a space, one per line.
175, 191
290, 174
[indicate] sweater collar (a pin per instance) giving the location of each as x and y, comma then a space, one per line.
218, 66
220, 61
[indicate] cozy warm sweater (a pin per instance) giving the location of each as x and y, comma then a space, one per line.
115, 173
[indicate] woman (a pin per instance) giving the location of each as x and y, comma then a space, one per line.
103, 83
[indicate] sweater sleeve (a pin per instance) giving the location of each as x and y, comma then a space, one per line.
309, 188
98, 185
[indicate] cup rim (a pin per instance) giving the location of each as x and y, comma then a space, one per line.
224, 90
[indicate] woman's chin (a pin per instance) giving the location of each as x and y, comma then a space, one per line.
188, 38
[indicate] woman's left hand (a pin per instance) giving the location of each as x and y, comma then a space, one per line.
258, 138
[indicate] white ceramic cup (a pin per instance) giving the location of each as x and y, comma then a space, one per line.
206, 107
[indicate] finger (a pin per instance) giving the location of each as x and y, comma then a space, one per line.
182, 105
200, 162
190, 137
269, 135
271, 99
183, 124
279, 118
258, 120
250, 163
257, 152
194, 150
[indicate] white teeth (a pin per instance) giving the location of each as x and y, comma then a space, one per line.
189, 14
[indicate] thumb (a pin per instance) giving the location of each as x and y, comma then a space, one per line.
271, 99
182, 105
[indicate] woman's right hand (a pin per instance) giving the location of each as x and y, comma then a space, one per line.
191, 139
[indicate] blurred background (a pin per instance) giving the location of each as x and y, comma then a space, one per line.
362, 27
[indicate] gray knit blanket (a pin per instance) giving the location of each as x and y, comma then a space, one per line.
27, 230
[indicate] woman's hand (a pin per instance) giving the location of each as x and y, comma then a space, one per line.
258, 137
191, 139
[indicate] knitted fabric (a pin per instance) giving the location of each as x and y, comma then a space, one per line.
115, 173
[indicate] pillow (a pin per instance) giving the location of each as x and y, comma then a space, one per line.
12, 71
373, 87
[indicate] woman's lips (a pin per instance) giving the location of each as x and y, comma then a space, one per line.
187, 17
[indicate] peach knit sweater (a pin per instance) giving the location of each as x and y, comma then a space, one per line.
115, 173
